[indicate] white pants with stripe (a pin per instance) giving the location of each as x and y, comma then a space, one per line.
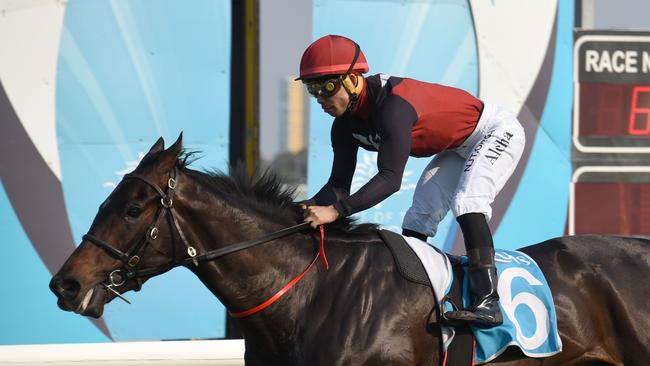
468, 178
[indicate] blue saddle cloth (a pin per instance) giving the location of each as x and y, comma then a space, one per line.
529, 320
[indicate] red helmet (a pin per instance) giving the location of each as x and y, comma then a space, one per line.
331, 55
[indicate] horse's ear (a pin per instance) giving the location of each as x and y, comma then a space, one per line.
168, 158
158, 146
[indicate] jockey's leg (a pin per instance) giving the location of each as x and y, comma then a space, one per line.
492, 153
433, 195
482, 274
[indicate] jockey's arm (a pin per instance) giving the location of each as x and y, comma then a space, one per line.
392, 155
345, 161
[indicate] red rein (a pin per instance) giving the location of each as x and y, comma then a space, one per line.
288, 286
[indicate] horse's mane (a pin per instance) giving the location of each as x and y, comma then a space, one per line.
263, 193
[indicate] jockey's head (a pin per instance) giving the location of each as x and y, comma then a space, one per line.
329, 63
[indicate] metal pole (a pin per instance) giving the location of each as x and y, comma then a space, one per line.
244, 85
244, 97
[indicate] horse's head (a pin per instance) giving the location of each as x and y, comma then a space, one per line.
130, 239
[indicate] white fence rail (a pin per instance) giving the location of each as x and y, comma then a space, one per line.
222, 352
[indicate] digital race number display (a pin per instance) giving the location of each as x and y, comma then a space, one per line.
610, 184
614, 110
612, 93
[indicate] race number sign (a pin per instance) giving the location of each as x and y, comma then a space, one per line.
610, 184
612, 92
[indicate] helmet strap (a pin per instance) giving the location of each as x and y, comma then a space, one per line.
352, 89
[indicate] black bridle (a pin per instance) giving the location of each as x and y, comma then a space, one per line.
131, 257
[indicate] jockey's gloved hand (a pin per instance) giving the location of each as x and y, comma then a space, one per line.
302, 208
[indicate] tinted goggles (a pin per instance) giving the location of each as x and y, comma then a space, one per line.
325, 88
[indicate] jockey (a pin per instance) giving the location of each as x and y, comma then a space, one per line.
475, 147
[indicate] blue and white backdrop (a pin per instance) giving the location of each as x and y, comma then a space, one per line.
86, 86
84, 96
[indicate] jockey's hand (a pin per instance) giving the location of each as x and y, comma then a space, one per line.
320, 215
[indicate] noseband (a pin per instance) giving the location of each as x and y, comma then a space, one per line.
131, 257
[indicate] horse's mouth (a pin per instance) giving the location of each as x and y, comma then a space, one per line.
91, 304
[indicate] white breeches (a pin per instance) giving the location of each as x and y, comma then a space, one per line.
468, 178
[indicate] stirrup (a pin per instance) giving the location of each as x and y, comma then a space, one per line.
467, 316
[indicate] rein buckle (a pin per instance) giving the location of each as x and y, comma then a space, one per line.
192, 253
134, 261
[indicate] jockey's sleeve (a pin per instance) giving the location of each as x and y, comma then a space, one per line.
345, 161
394, 123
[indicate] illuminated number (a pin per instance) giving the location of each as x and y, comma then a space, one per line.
510, 304
640, 111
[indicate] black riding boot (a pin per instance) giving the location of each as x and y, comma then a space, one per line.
484, 308
482, 275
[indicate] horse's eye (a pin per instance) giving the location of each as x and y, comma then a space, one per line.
133, 211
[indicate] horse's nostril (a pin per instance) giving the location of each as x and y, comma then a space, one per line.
68, 288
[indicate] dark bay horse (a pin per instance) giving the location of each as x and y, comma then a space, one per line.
358, 312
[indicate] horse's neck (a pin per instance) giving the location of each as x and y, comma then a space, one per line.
245, 279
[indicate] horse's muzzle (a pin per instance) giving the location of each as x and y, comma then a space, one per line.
65, 288
70, 298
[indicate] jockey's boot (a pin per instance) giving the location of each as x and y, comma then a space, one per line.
481, 273
483, 283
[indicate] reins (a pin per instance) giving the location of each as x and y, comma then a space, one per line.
131, 258
274, 298
218, 253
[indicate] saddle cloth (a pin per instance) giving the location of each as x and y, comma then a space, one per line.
529, 319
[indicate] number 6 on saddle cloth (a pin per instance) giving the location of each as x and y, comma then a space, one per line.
529, 313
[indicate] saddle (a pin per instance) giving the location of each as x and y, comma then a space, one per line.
523, 285
461, 350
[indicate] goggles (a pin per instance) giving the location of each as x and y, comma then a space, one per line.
325, 88
329, 87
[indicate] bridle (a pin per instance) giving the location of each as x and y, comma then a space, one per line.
131, 257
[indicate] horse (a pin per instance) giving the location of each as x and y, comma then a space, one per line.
350, 308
